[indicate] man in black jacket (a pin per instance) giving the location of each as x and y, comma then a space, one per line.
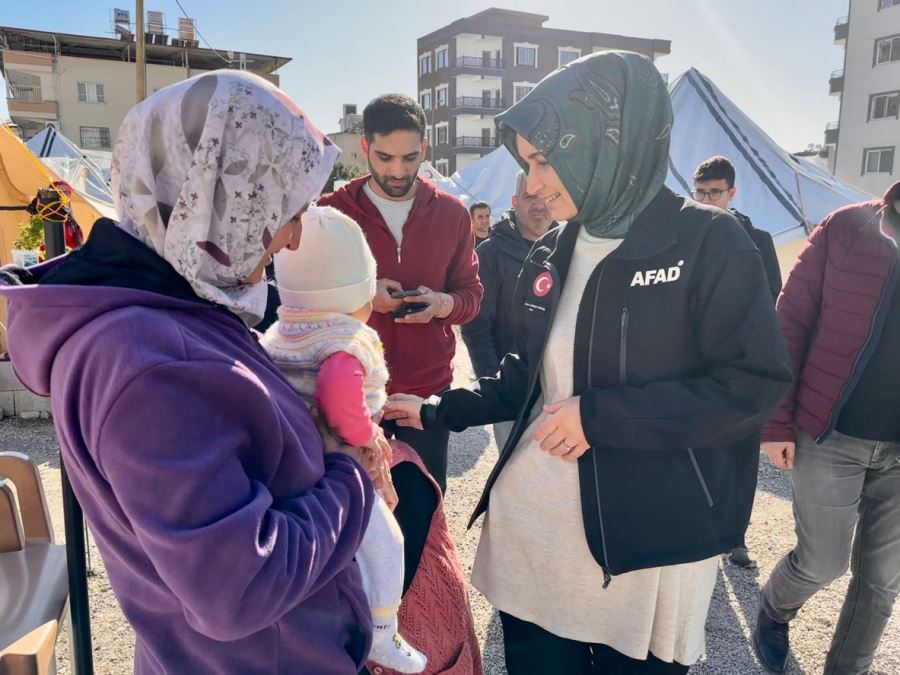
490, 336
480, 213
714, 184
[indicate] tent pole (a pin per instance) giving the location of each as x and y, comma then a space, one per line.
807, 226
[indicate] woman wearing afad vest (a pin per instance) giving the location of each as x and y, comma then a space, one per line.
649, 357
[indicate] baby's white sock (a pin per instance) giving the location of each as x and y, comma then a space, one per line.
391, 650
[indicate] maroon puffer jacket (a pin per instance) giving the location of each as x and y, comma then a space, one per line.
830, 309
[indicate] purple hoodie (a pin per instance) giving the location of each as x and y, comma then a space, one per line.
227, 534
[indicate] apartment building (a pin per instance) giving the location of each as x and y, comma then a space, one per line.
863, 143
85, 85
348, 138
474, 68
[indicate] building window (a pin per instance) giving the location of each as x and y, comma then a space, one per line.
884, 4
91, 92
567, 55
429, 135
884, 105
526, 54
425, 64
887, 49
442, 57
425, 99
441, 93
442, 166
95, 138
442, 130
521, 89
25, 87
878, 160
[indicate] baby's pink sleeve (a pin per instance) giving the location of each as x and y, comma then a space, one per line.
341, 396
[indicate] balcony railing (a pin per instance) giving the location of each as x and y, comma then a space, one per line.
841, 30
482, 102
480, 62
836, 82
831, 133
27, 93
476, 142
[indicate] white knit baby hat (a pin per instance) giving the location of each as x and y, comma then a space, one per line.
333, 269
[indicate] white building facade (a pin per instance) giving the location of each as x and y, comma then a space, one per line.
865, 141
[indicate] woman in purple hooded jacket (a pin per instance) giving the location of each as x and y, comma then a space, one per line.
227, 533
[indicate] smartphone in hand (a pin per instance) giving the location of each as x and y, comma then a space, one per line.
397, 295
411, 308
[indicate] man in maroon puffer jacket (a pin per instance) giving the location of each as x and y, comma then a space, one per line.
838, 428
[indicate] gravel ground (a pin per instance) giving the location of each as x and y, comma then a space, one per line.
472, 454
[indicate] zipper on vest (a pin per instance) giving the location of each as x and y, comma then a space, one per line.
623, 346
709, 499
607, 578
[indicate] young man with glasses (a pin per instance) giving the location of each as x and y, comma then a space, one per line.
714, 185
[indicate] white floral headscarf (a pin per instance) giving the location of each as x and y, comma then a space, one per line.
205, 171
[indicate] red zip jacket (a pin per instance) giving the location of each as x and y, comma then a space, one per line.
437, 252
831, 311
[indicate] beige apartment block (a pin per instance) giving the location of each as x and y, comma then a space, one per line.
85, 85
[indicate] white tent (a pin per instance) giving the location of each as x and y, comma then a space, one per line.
491, 179
781, 193
86, 171
427, 170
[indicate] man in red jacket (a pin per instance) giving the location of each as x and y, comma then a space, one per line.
838, 428
422, 241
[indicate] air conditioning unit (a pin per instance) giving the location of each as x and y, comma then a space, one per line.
121, 20
156, 22
186, 29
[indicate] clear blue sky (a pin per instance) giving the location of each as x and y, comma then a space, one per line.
771, 57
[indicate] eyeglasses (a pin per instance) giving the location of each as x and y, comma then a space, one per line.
711, 195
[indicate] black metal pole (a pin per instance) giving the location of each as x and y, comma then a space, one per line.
54, 220
79, 611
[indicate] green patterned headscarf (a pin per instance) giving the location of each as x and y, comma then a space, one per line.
603, 122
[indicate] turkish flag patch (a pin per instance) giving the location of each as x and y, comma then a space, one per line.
542, 284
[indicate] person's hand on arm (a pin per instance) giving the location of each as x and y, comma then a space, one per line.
405, 410
380, 450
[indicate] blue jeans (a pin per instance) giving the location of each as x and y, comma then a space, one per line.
847, 513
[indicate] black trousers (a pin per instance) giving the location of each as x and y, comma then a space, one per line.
431, 446
530, 650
